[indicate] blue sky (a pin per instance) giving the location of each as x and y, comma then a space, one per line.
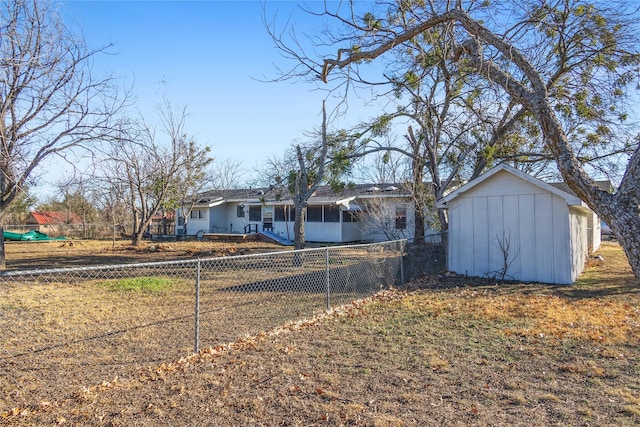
206, 55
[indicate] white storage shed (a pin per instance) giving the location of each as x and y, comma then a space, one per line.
508, 220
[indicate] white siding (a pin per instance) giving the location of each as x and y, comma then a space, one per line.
511, 229
594, 227
323, 231
234, 223
496, 233
531, 224
194, 225
543, 239
218, 220
351, 232
371, 229
526, 243
579, 242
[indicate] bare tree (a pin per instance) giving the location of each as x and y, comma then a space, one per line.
383, 167
157, 169
50, 99
225, 174
503, 243
306, 181
379, 217
110, 198
300, 170
74, 193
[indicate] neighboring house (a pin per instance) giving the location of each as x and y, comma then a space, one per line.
506, 222
53, 223
162, 224
356, 213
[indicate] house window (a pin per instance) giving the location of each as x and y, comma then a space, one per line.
198, 214
240, 211
401, 218
255, 213
351, 216
314, 214
284, 213
280, 213
331, 213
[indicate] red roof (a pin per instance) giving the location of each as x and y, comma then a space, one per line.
169, 216
47, 218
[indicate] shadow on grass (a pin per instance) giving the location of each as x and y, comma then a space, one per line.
64, 261
607, 276
358, 278
621, 285
603, 289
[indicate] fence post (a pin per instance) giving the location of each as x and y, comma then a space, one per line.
328, 279
196, 345
403, 244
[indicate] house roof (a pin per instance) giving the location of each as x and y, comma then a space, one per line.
323, 195
570, 197
50, 217
169, 216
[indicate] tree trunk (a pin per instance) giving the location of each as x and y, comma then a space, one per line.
625, 225
419, 197
298, 226
3, 260
184, 227
418, 219
136, 239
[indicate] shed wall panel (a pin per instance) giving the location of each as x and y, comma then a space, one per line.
453, 248
466, 236
543, 228
496, 234
561, 241
579, 242
480, 255
527, 237
511, 227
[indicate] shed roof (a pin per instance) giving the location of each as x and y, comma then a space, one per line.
570, 197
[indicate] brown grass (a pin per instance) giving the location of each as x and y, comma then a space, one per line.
445, 353
73, 253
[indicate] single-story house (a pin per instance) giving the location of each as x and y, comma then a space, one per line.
53, 223
506, 223
162, 224
363, 212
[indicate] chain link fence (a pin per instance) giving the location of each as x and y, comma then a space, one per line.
425, 258
65, 329
75, 231
93, 230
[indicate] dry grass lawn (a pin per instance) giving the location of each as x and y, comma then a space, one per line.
77, 253
440, 352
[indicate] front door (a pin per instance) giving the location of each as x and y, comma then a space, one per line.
267, 218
